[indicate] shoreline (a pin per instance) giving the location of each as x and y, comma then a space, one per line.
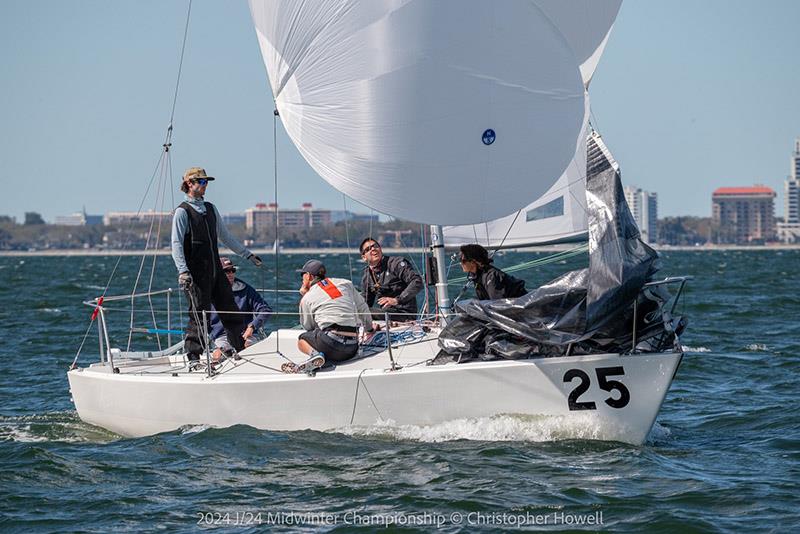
388, 251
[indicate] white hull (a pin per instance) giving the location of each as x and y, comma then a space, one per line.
146, 398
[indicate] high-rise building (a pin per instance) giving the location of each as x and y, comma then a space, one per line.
743, 215
789, 229
644, 208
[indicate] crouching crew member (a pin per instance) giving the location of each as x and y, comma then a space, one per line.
490, 282
331, 310
391, 281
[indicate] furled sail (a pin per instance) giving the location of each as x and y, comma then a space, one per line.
558, 216
445, 112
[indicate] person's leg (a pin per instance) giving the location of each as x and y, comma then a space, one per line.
308, 342
199, 297
234, 323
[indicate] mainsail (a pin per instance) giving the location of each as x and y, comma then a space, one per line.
431, 111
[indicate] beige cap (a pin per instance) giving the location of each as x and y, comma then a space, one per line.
193, 173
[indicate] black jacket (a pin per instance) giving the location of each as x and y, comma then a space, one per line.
394, 277
491, 284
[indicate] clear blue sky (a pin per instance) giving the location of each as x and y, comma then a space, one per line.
690, 96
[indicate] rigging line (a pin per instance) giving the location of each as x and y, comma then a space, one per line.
180, 65
505, 236
144, 254
172, 203
347, 235
158, 208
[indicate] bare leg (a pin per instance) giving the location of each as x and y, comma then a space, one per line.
304, 347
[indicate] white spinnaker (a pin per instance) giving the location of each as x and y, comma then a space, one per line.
557, 216
586, 25
390, 101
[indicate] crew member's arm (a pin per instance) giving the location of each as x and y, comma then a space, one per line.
366, 293
180, 225
413, 281
306, 315
493, 284
261, 310
364, 315
228, 240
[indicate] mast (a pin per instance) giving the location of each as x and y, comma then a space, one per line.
437, 249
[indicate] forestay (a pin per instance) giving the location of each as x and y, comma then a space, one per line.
445, 112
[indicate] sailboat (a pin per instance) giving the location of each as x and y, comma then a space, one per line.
433, 112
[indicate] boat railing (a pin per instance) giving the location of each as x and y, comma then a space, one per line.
107, 352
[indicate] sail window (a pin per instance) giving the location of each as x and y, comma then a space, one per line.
554, 208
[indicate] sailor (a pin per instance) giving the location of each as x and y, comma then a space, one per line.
249, 301
391, 280
196, 226
331, 310
490, 282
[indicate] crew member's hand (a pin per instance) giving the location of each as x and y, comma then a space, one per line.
304, 288
387, 302
185, 280
256, 260
248, 333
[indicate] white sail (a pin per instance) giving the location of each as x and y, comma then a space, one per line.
586, 25
557, 216
443, 112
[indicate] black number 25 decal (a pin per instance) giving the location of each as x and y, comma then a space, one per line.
605, 384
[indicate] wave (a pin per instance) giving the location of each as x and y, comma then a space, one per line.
525, 428
686, 348
756, 347
65, 427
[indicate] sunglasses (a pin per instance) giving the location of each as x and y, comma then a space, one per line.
370, 248
200, 181
228, 271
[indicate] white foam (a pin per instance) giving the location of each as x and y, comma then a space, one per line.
194, 429
686, 348
496, 428
51, 310
756, 347
658, 433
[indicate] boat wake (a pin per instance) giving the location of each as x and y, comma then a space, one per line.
63, 427
525, 428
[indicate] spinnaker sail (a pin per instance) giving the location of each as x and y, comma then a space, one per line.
428, 111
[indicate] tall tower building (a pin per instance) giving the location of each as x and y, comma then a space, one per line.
644, 208
789, 230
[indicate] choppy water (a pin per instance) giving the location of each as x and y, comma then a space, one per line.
723, 455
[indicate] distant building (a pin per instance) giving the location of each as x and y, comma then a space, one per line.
789, 229
262, 217
644, 208
231, 219
119, 218
342, 215
743, 214
80, 218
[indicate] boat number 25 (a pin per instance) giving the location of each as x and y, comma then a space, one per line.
605, 384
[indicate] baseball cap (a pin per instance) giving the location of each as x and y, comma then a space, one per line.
313, 267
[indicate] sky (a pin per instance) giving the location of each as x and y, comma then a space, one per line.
689, 96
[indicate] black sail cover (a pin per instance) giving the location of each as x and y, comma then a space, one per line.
588, 310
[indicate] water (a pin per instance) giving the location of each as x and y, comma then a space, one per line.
723, 455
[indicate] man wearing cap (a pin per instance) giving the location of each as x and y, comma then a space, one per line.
389, 281
196, 227
248, 301
331, 310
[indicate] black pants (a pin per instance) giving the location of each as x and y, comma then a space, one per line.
336, 349
217, 291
